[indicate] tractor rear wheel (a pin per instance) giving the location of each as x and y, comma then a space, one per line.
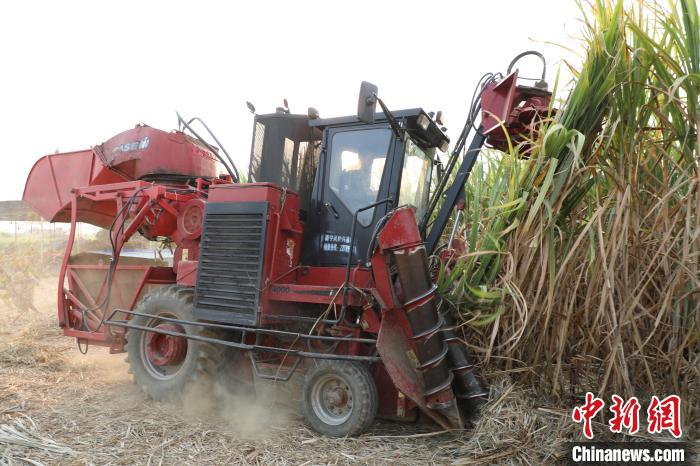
339, 398
164, 366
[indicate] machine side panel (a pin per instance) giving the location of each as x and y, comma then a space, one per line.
231, 260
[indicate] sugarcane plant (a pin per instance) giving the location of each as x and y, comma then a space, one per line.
581, 264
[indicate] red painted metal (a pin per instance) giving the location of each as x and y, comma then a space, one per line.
53, 177
158, 184
130, 281
141, 152
144, 151
512, 112
105, 186
397, 344
370, 320
93, 186
312, 294
187, 273
400, 231
329, 276
166, 350
398, 357
154, 213
393, 404
191, 218
185, 259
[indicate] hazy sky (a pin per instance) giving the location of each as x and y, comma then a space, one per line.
73, 74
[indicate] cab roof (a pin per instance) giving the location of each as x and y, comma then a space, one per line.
433, 136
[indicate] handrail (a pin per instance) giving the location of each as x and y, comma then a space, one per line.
231, 344
254, 330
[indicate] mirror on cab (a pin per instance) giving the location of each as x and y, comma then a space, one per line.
367, 102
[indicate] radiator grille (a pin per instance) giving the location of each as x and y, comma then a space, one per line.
230, 262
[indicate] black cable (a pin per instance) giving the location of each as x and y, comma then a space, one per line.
474, 107
375, 232
113, 259
524, 54
80, 347
234, 175
237, 178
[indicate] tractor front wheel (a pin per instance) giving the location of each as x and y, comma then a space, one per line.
339, 398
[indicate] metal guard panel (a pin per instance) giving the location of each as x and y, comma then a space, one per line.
229, 273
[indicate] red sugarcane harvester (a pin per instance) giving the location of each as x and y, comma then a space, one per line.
318, 264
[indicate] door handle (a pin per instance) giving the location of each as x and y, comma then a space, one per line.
332, 210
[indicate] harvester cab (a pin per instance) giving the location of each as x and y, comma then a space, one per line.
340, 166
317, 266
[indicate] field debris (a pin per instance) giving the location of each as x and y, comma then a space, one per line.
23, 431
89, 406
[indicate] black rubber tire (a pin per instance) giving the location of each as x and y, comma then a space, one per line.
201, 361
361, 384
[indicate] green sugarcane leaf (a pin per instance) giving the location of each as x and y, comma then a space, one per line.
542, 194
483, 321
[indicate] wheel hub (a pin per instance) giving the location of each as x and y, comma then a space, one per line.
332, 400
165, 350
336, 398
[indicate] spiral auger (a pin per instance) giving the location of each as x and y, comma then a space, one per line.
426, 322
469, 386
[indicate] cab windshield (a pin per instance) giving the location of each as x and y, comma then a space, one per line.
357, 168
415, 178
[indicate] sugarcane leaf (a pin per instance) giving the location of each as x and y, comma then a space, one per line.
542, 194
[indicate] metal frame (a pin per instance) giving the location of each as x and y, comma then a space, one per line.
276, 378
149, 196
455, 191
244, 331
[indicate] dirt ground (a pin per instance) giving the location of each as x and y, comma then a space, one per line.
60, 407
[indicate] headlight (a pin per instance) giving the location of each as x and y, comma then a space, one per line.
423, 121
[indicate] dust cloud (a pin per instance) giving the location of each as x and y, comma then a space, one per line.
248, 413
29, 269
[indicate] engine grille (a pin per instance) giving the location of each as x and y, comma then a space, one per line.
230, 262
